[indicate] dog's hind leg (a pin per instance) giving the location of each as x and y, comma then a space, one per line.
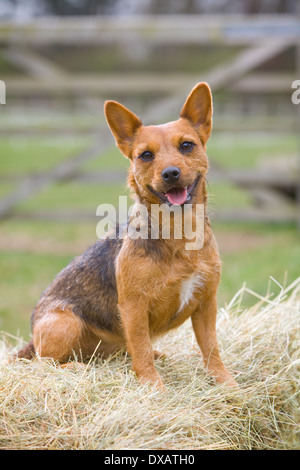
159, 355
57, 335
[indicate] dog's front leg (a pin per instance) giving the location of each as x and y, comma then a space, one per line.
136, 328
204, 325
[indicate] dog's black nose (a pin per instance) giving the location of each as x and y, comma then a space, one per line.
171, 174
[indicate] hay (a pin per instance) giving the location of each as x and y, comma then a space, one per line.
100, 405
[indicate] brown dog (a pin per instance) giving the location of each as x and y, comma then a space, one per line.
124, 292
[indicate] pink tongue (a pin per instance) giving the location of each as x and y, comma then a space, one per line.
177, 196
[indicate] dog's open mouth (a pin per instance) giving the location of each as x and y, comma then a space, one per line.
177, 195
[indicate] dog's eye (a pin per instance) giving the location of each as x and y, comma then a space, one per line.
146, 156
186, 146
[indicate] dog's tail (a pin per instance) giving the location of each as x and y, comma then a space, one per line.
27, 352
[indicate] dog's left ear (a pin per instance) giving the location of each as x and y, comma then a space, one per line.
123, 125
198, 110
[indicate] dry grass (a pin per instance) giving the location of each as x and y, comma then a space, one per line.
101, 406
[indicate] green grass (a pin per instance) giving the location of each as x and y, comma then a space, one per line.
112, 159
6, 188
245, 150
23, 277
276, 255
14, 118
49, 232
27, 155
226, 195
74, 195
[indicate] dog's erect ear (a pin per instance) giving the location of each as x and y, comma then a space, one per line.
123, 125
198, 110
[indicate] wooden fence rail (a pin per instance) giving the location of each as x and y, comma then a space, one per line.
158, 29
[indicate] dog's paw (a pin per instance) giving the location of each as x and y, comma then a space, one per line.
153, 380
159, 355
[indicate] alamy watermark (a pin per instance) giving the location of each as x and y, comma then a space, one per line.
164, 221
296, 94
2, 92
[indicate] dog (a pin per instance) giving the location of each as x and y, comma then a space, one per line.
123, 293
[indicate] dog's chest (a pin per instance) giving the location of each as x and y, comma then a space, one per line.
188, 289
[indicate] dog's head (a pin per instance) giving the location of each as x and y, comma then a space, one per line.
168, 161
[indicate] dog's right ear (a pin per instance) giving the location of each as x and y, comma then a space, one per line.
123, 125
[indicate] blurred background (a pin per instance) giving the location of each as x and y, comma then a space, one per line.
61, 59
